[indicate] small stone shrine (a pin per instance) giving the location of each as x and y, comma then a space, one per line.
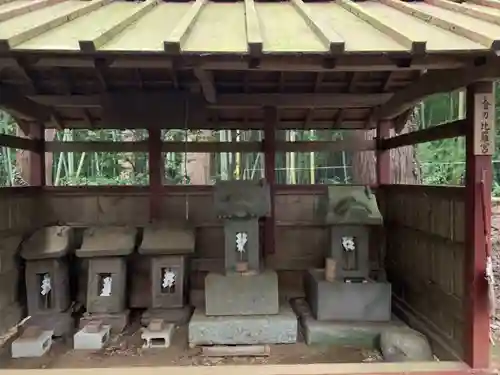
242, 303
167, 247
47, 278
106, 249
343, 291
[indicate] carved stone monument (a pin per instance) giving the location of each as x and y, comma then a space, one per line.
242, 303
167, 247
106, 249
47, 278
352, 295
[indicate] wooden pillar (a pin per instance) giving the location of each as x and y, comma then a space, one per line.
479, 149
155, 173
36, 159
383, 156
270, 119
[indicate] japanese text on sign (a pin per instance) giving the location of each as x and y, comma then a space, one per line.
484, 125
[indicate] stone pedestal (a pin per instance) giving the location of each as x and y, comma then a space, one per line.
237, 294
47, 278
106, 249
34, 342
278, 328
168, 247
341, 301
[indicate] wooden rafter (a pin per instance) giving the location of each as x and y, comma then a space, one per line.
25, 8
466, 9
173, 43
27, 34
224, 100
434, 82
207, 84
18, 142
454, 27
254, 36
325, 33
415, 46
112, 30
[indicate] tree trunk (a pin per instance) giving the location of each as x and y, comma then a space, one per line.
404, 165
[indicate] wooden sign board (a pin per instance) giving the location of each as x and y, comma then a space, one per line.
484, 124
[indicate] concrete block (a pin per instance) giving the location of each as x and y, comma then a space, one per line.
117, 321
243, 330
176, 316
60, 324
154, 339
237, 294
91, 337
355, 334
341, 301
34, 342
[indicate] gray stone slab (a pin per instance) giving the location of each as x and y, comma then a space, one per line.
84, 340
60, 324
48, 243
157, 339
243, 330
341, 301
176, 316
165, 239
356, 334
107, 242
237, 294
32, 345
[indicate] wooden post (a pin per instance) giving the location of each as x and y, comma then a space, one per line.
155, 173
36, 159
480, 137
383, 156
270, 118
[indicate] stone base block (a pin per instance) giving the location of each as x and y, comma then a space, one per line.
158, 339
85, 340
36, 345
243, 330
60, 324
176, 316
117, 321
237, 294
356, 334
356, 302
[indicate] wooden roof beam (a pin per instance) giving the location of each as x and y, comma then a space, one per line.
329, 37
26, 8
254, 35
112, 30
223, 100
21, 107
207, 84
414, 46
173, 43
447, 25
463, 8
25, 35
434, 82
487, 3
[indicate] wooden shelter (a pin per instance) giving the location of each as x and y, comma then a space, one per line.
269, 65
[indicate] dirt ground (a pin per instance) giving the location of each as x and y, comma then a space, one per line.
125, 350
